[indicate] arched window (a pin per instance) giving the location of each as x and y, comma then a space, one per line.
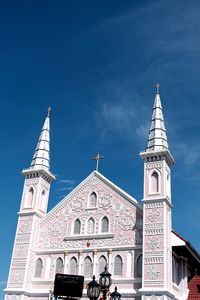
102, 263
118, 266
154, 183
42, 200
93, 200
90, 226
73, 266
29, 198
59, 265
77, 227
38, 268
87, 267
139, 266
104, 225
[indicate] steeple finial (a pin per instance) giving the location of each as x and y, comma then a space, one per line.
157, 134
158, 88
49, 110
41, 157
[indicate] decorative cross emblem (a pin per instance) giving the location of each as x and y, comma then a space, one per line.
97, 158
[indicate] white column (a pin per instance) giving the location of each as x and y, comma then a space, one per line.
80, 263
65, 262
110, 260
129, 264
95, 262
48, 266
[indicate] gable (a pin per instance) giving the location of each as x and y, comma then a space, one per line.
123, 213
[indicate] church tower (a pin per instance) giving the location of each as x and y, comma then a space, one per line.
38, 178
157, 249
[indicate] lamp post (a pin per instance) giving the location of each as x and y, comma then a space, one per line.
94, 289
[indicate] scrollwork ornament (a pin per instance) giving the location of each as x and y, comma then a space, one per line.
154, 243
77, 205
153, 272
105, 200
20, 250
56, 227
126, 223
153, 215
24, 226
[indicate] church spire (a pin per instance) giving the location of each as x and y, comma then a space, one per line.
41, 157
157, 135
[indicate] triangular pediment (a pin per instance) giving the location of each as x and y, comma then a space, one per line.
122, 211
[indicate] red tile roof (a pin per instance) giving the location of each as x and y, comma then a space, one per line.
194, 293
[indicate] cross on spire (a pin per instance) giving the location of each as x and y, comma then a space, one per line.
98, 157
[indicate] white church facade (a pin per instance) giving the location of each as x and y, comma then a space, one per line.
99, 224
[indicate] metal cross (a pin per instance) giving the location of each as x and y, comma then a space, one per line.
97, 158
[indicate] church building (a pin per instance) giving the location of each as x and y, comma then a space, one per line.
99, 224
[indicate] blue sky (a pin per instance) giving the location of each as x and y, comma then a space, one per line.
96, 63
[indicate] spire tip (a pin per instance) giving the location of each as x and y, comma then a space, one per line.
49, 110
157, 88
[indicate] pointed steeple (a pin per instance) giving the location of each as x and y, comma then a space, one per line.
157, 141
41, 157
157, 135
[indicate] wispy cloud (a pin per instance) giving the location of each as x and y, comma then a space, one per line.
69, 188
124, 119
67, 181
66, 185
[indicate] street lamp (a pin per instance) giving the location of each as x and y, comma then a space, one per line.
105, 281
93, 290
115, 295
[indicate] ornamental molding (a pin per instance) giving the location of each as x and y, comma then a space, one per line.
154, 226
153, 297
154, 205
153, 283
153, 165
154, 232
148, 261
32, 182
152, 254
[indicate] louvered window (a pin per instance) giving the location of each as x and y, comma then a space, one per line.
59, 265
38, 268
73, 266
77, 227
104, 225
93, 200
118, 266
102, 264
139, 266
87, 267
